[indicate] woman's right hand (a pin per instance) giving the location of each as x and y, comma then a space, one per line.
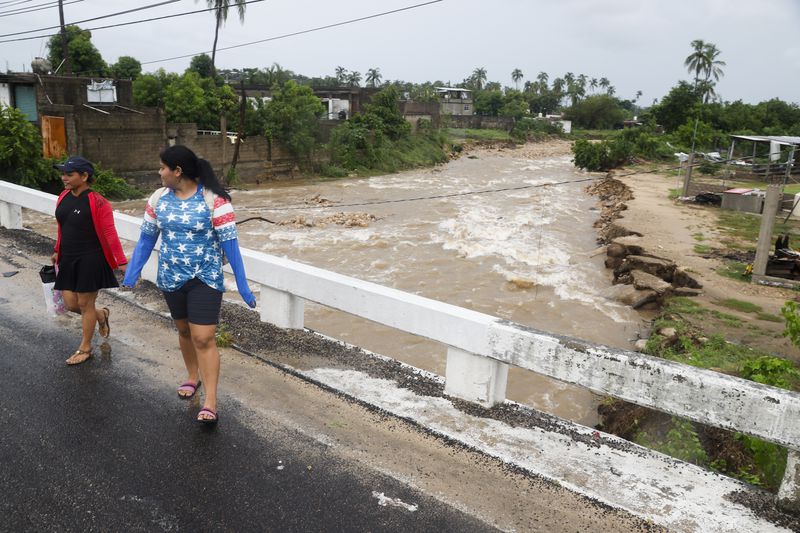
54, 258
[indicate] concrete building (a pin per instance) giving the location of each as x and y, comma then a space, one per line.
455, 101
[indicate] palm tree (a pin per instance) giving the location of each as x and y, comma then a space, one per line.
341, 75
542, 77
696, 61
221, 15
604, 83
593, 84
479, 76
354, 79
517, 75
373, 77
704, 60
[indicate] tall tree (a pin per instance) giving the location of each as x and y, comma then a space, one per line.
221, 15
354, 79
517, 75
126, 67
373, 77
703, 60
203, 65
292, 118
341, 75
86, 59
479, 77
696, 61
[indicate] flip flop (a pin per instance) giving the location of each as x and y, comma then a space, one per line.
188, 386
80, 352
207, 421
105, 325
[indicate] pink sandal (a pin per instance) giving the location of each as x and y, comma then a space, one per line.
190, 387
210, 420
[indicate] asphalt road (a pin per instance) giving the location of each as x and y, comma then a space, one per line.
98, 447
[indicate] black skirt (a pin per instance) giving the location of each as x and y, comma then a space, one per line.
85, 273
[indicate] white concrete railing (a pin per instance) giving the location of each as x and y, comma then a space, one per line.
481, 347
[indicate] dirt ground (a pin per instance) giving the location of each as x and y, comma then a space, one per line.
673, 228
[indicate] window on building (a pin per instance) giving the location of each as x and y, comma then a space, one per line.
101, 92
466, 107
25, 101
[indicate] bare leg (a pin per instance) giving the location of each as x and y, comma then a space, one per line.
188, 352
85, 304
205, 346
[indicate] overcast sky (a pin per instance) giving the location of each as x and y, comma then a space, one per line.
636, 44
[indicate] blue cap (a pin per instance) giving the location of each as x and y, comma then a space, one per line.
76, 163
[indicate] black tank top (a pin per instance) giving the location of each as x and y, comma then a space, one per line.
78, 236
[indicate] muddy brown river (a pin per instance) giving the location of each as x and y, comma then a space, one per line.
525, 253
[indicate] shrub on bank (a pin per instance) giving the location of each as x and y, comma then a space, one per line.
747, 458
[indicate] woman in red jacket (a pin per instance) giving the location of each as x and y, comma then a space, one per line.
87, 251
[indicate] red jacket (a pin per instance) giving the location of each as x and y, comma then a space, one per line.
103, 218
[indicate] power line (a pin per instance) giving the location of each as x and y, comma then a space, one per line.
298, 32
418, 198
95, 18
483, 191
126, 23
31, 9
13, 2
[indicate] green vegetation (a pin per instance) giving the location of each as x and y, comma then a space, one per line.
85, 58
223, 336
757, 461
380, 140
702, 249
735, 270
113, 187
292, 118
480, 135
740, 305
21, 158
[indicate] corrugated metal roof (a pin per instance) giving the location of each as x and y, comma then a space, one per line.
782, 139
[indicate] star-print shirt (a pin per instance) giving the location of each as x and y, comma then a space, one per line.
190, 238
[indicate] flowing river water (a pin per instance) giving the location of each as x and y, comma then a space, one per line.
527, 254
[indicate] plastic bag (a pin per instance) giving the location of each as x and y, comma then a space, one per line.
53, 300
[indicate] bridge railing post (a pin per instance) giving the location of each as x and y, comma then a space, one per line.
789, 491
10, 216
475, 378
282, 309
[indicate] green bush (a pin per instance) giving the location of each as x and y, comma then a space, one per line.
21, 158
600, 156
527, 128
113, 187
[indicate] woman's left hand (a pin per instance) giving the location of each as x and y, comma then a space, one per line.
123, 268
248, 297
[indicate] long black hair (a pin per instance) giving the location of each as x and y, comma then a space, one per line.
194, 168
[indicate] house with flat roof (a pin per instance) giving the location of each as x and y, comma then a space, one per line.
455, 100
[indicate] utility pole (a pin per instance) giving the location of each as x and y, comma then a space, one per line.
771, 206
64, 42
687, 178
240, 129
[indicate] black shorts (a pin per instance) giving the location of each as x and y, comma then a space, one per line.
195, 301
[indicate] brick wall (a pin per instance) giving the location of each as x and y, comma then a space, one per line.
478, 122
122, 140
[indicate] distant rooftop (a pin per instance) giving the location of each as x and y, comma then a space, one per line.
781, 139
442, 89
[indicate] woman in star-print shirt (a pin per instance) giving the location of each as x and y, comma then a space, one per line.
196, 227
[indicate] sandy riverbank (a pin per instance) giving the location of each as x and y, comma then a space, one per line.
672, 230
